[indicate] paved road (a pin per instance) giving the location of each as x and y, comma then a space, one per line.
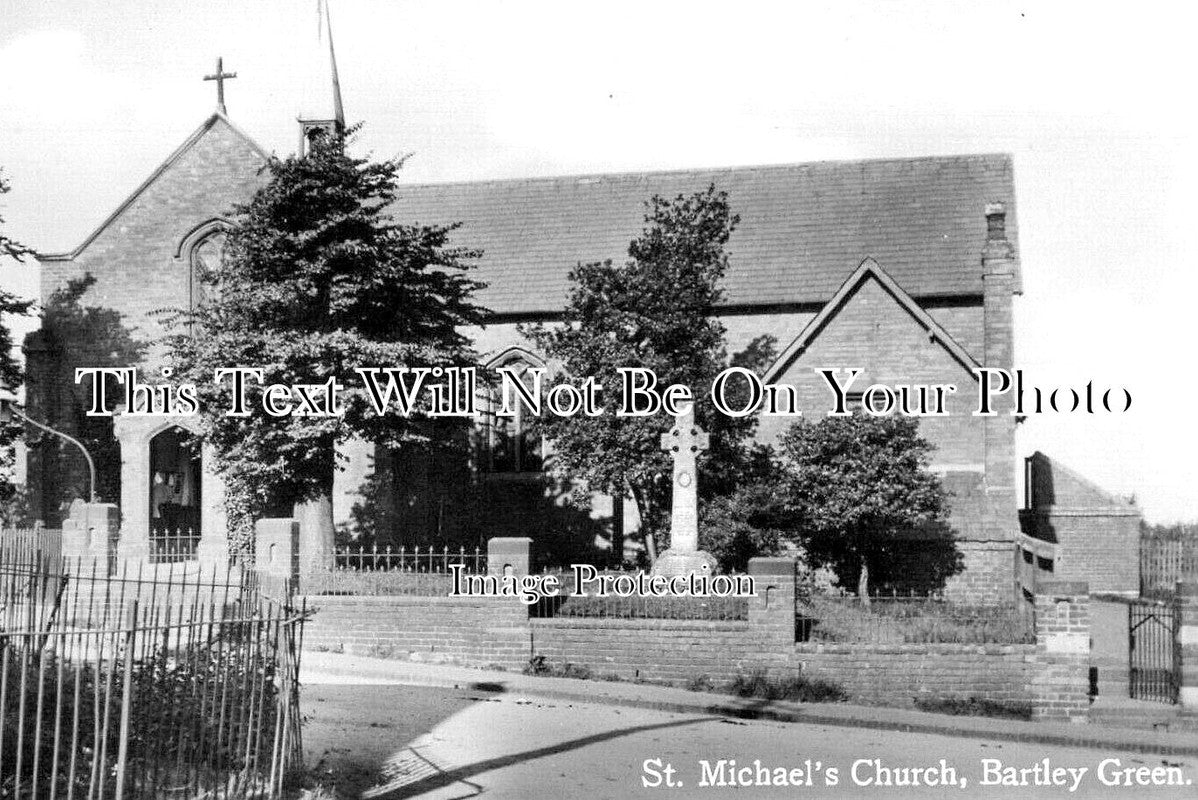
393, 742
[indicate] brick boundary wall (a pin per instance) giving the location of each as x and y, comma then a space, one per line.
661, 651
477, 632
902, 674
1051, 676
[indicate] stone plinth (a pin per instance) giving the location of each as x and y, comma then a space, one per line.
90, 532
508, 555
679, 562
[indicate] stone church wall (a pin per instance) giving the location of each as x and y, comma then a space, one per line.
138, 271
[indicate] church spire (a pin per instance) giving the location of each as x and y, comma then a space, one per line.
322, 109
327, 30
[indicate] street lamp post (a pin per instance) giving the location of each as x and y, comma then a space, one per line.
8, 410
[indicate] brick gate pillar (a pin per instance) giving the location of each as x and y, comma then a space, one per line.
1187, 607
1060, 680
772, 608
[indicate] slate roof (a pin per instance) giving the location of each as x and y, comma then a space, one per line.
804, 227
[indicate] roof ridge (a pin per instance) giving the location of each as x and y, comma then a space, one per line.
740, 168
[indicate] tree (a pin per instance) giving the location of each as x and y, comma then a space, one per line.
10, 369
75, 335
654, 311
316, 280
856, 485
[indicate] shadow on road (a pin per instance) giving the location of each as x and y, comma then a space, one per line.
419, 781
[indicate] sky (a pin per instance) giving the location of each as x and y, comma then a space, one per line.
1089, 99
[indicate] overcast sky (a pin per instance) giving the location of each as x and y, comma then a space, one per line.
1094, 104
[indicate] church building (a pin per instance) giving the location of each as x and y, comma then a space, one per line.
904, 268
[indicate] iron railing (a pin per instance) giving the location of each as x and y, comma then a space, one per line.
171, 547
159, 681
605, 602
1154, 650
909, 619
432, 560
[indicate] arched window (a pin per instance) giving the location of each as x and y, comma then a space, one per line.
205, 259
200, 252
510, 445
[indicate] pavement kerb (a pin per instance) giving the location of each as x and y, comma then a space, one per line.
332, 668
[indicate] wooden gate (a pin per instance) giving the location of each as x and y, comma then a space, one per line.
1154, 647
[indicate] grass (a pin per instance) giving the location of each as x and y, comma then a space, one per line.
758, 684
974, 706
827, 619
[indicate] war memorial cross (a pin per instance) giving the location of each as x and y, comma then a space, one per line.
684, 442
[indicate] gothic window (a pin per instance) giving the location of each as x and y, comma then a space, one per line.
197, 253
509, 443
205, 259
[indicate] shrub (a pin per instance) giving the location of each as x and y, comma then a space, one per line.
541, 666
974, 706
793, 687
736, 528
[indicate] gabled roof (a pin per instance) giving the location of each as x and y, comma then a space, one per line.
188, 143
1054, 486
802, 225
869, 270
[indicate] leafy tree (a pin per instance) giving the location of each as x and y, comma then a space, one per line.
10, 368
654, 311
75, 335
746, 523
318, 280
856, 485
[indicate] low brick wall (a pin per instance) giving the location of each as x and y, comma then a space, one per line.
487, 632
662, 651
1050, 675
678, 652
442, 629
898, 674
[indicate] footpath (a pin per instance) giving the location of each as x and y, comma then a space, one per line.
336, 668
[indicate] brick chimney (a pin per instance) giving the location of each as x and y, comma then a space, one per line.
998, 289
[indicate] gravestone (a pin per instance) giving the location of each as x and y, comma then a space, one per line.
684, 442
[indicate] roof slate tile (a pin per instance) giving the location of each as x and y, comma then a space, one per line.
804, 227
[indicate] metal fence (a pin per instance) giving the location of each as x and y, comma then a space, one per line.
431, 560
909, 619
166, 681
172, 547
1164, 562
1154, 650
603, 600
362, 570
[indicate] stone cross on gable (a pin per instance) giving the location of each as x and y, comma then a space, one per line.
684, 442
220, 76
